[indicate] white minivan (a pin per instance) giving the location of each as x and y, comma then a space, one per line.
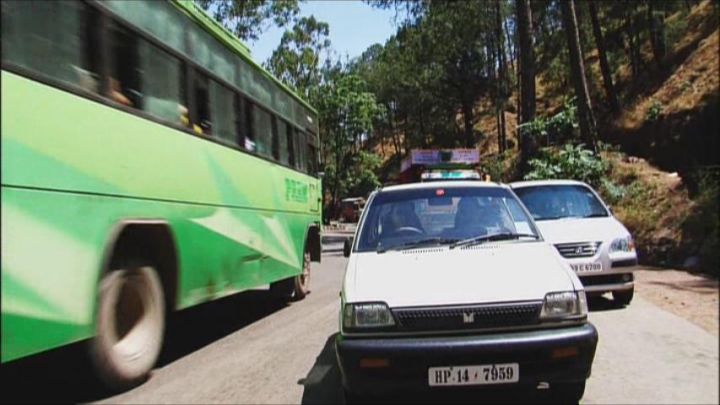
450, 285
573, 217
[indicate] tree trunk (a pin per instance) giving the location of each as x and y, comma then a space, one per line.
527, 77
527, 61
500, 77
602, 56
656, 20
469, 133
588, 130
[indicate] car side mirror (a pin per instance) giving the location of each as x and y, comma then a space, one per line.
611, 210
347, 247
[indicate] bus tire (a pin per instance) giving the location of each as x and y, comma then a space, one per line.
130, 326
302, 280
293, 288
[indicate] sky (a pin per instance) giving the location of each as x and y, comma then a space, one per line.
354, 26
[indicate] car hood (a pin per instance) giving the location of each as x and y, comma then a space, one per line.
497, 272
568, 230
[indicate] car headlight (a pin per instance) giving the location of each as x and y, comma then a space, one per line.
368, 315
565, 304
623, 245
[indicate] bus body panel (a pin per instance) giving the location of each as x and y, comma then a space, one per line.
73, 169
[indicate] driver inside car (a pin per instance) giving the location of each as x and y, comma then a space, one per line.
402, 219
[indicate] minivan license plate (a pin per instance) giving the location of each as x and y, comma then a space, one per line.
586, 267
474, 375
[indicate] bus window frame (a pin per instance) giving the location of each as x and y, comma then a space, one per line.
190, 67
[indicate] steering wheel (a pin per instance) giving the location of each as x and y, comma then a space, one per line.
410, 229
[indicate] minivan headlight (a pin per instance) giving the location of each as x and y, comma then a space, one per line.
367, 316
565, 304
625, 244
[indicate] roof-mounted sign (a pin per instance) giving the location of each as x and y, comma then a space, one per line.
429, 157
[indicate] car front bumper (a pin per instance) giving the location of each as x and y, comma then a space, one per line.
542, 356
619, 278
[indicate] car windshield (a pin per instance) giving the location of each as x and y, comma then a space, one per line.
561, 201
400, 219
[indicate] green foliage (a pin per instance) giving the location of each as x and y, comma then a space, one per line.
612, 193
654, 111
296, 61
702, 229
570, 162
560, 128
250, 18
347, 112
501, 167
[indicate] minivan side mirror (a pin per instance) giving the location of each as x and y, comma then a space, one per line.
347, 247
611, 210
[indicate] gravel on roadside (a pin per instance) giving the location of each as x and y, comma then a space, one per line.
694, 297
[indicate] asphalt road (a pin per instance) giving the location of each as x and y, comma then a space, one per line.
246, 349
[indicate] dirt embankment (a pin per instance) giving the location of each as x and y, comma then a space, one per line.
673, 120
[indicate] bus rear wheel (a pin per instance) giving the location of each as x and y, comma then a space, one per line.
294, 288
130, 326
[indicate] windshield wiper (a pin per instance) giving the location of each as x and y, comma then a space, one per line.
418, 243
492, 237
596, 215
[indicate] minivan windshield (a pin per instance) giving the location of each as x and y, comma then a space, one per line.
452, 216
561, 201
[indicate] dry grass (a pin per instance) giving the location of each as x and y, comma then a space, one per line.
654, 207
691, 84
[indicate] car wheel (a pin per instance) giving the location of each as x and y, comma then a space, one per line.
567, 393
623, 298
129, 326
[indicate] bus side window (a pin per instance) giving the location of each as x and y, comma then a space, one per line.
202, 105
262, 126
282, 141
312, 159
163, 84
290, 141
124, 80
275, 139
51, 38
223, 113
250, 126
240, 120
301, 149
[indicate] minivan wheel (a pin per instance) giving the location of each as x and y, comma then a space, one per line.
129, 326
623, 298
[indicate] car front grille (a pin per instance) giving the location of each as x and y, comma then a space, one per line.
432, 319
579, 249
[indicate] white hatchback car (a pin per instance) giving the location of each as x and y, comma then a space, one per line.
449, 284
573, 217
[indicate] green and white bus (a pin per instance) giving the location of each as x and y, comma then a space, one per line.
148, 165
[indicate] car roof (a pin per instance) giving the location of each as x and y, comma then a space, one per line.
536, 183
443, 184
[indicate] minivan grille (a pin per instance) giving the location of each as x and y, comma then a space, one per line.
467, 317
579, 249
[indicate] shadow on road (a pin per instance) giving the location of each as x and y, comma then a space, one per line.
323, 385
63, 375
601, 303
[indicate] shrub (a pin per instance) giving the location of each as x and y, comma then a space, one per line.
701, 230
560, 128
654, 111
571, 162
612, 193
